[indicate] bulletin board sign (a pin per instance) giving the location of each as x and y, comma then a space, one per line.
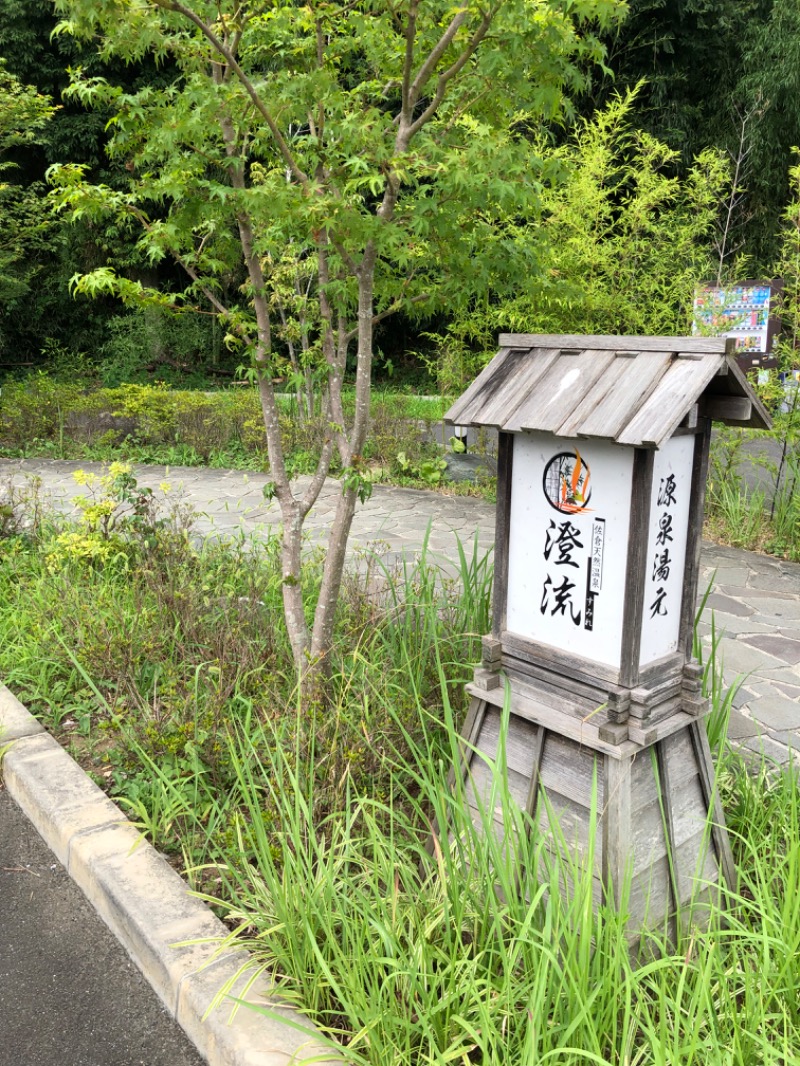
745, 312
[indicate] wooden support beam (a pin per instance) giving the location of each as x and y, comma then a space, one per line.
729, 408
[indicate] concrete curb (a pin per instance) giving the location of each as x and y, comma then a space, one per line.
147, 906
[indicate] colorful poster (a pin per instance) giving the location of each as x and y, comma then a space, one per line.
738, 311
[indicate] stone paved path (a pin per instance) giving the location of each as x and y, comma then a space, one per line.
755, 600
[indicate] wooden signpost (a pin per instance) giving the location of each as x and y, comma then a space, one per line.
603, 455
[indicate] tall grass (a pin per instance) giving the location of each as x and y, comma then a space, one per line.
406, 951
315, 835
408, 954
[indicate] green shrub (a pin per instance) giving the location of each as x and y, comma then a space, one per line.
153, 344
149, 423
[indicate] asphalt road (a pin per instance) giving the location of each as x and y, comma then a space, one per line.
69, 994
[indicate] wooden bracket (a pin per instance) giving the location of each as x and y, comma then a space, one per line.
491, 653
729, 408
690, 419
618, 705
486, 679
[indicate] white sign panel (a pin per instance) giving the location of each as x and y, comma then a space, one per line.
666, 548
568, 544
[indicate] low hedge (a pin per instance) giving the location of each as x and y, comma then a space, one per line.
44, 410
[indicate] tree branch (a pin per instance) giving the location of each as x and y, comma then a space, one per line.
311, 494
455, 68
436, 54
209, 293
175, 5
408, 65
398, 305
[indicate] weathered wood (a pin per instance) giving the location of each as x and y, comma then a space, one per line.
634, 390
566, 826
719, 832
616, 826
618, 706
561, 693
502, 531
491, 652
661, 669
501, 387
635, 569
558, 391
706, 345
647, 734
691, 572
646, 717
690, 419
688, 818
486, 679
482, 779
761, 418
553, 861
466, 744
503, 363
572, 771
581, 698
665, 795
564, 662
582, 732
667, 404
613, 732
728, 408
680, 754
650, 896
648, 842
642, 779
474, 720
624, 388
696, 864
469, 737
519, 741
537, 749
664, 684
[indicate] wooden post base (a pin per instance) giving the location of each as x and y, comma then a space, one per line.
660, 829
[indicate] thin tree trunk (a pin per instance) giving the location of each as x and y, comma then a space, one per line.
333, 569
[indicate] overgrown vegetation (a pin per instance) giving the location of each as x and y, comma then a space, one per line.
136, 643
753, 498
620, 247
45, 417
162, 668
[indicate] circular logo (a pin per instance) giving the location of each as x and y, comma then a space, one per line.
566, 483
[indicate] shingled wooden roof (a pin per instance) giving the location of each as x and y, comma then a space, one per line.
632, 390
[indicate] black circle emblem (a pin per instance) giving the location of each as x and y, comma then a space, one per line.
565, 483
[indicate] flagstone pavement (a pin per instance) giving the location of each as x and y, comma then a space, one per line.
754, 603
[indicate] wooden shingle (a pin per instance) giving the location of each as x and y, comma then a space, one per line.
632, 390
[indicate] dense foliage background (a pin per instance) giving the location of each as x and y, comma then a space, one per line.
669, 163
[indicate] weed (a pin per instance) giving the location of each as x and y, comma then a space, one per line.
311, 833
